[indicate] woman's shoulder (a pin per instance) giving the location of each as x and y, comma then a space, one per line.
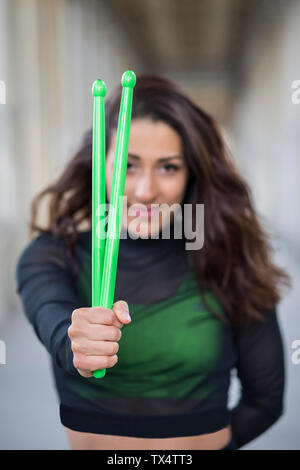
40, 242
48, 248
44, 248
47, 240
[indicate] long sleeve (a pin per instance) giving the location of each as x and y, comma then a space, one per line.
261, 372
48, 294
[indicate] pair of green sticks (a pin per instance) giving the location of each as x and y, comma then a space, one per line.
105, 252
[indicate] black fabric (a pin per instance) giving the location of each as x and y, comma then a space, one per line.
165, 426
157, 260
46, 285
48, 291
261, 372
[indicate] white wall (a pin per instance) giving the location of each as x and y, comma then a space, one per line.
51, 51
266, 123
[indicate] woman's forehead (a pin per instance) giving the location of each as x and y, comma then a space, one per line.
157, 136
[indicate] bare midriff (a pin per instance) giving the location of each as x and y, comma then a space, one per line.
87, 441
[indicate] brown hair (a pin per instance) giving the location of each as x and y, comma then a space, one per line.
235, 260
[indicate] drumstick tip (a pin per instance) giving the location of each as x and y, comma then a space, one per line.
128, 79
99, 88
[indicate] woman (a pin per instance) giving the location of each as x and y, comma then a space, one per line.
194, 314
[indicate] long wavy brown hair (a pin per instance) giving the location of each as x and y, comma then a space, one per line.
235, 260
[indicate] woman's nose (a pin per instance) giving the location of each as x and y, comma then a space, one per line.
145, 189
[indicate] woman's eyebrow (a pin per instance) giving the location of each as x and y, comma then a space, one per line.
160, 159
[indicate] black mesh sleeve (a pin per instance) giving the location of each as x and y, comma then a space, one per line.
48, 293
261, 373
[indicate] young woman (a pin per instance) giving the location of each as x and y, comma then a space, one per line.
194, 314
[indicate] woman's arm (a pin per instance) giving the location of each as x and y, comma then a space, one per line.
48, 294
261, 372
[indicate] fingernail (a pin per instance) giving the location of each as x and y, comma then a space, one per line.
126, 315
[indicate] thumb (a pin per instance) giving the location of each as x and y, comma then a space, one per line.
121, 310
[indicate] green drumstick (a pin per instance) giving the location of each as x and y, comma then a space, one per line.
109, 271
98, 190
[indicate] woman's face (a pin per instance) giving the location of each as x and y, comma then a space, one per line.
156, 174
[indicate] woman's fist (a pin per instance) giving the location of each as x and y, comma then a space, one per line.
94, 334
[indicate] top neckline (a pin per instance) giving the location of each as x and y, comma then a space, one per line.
143, 252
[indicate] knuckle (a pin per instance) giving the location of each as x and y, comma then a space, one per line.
78, 362
75, 314
80, 314
75, 347
73, 331
70, 331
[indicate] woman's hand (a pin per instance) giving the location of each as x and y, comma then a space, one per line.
94, 334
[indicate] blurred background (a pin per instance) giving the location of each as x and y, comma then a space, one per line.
237, 59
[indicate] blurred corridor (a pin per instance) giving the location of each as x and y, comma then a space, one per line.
237, 60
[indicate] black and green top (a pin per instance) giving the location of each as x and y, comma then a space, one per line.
175, 357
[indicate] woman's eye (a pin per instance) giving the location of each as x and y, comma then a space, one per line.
129, 166
171, 167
